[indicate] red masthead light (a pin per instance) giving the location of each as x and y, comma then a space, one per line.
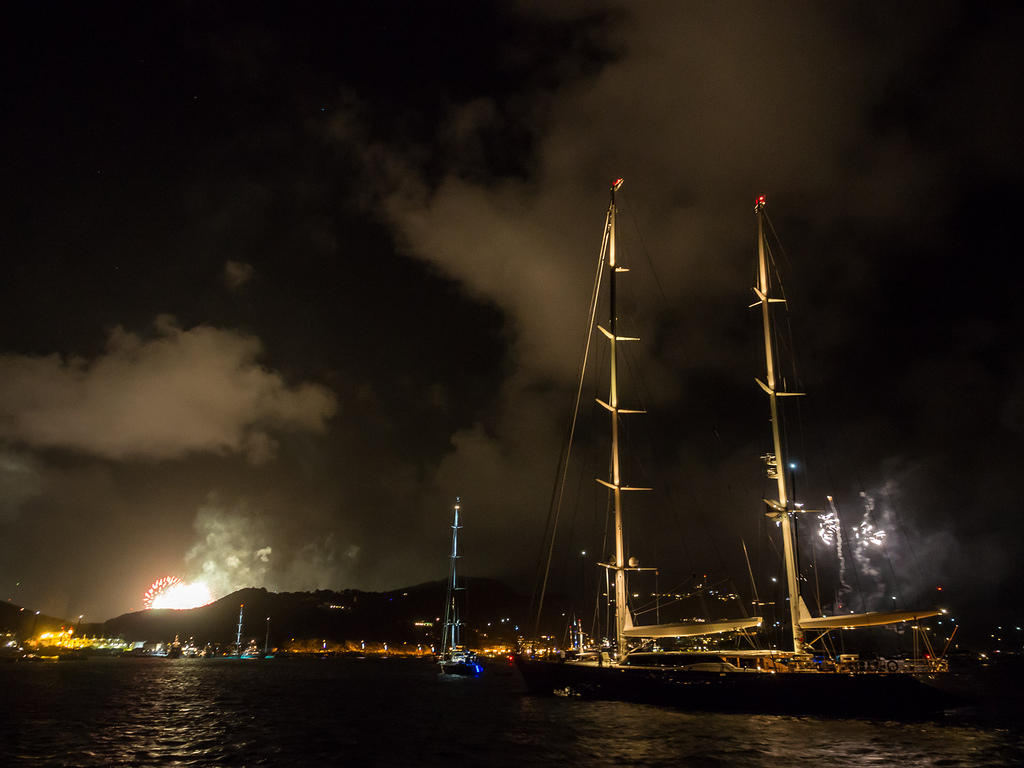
616, 184
760, 200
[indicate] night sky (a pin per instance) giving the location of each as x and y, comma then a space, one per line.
282, 280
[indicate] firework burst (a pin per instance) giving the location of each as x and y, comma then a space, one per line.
172, 592
158, 588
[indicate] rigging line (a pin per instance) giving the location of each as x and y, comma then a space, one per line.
800, 421
595, 621
853, 558
786, 344
607, 602
607, 584
647, 253
885, 551
716, 586
734, 594
751, 639
651, 607
753, 584
657, 593
789, 344
783, 342
909, 545
636, 373
646, 398
560, 567
667, 484
906, 539
681, 586
829, 643
554, 507
782, 249
578, 496
817, 581
779, 566
595, 624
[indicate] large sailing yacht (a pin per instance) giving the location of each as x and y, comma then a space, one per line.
800, 680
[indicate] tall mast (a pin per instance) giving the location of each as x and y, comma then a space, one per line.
780, 509
450, 632
612, 406
238, 637
613, 402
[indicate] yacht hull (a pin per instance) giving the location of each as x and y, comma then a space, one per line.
808, 693
462, 668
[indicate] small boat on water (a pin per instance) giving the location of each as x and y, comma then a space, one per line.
174, 650
455, 658
805, 679
251, 651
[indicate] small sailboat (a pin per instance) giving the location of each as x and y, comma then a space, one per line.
634, 667
250, 651
238, 634
455, 658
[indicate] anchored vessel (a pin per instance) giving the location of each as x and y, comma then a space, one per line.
455, 658
250, 650
794, 681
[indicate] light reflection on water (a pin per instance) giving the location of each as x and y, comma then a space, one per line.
158, 712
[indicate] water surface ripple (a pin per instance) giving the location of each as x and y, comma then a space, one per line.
307, 712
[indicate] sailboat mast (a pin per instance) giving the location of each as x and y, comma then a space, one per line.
613, 402
614, 481
776, 464
450, 636
238, 637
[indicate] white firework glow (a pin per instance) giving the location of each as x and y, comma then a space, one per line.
828, 527
172, 592
868, 533
865, 533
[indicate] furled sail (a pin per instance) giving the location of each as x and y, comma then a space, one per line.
870, 619
689, 628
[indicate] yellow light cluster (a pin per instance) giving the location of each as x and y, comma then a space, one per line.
65, 638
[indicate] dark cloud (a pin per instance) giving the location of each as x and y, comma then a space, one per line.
703, 106
237, 274
406, 206
19, 482
199, 389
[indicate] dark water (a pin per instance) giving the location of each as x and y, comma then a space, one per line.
191, 712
